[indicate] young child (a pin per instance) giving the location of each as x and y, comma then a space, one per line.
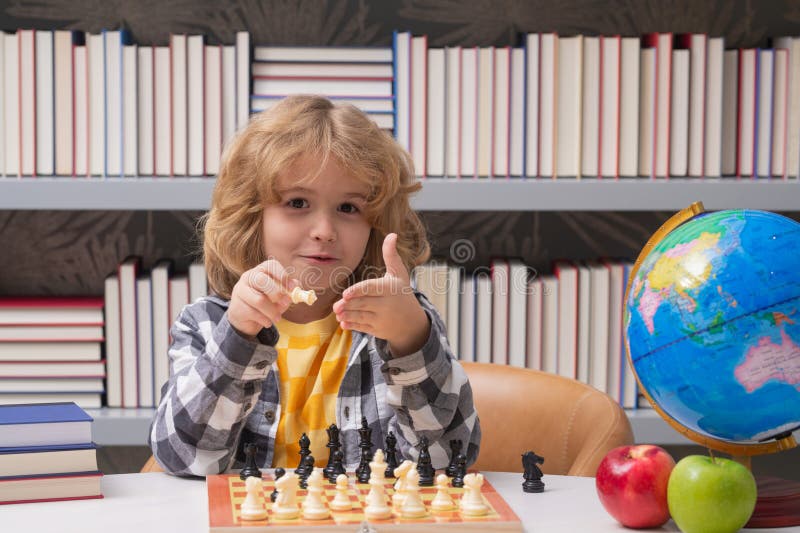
310, 195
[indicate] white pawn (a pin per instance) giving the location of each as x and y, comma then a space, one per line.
399, 485
285, 507
314, 505
253, 505
341, 501
442, 501
472, 503
377, 507
412, 506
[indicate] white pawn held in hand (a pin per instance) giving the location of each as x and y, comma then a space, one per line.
253, 505
341, 501
442, 501
377, 508
412, 506
298, 295
399, 485
314, 505
285, 507
472, 503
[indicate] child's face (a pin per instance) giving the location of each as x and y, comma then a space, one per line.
317, 231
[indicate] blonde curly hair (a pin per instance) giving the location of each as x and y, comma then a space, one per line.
272, 141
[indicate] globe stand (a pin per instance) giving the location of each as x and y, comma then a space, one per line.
778, 500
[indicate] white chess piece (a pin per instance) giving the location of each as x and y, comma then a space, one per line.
442, 501
399, 492
253, 507
412, 506
285, 507
298, 295
377, 507
314, 507
341, 501
472, 503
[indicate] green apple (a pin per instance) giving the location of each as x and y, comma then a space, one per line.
710, 494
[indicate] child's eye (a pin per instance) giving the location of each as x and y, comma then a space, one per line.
348, 208
297, 203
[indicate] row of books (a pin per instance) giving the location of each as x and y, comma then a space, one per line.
51, 350
47, 454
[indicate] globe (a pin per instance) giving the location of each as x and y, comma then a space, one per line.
712, 324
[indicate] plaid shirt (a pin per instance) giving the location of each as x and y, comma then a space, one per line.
223, 392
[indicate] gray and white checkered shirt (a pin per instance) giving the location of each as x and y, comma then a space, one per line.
223, 392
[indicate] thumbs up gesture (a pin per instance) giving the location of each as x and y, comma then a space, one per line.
386, 307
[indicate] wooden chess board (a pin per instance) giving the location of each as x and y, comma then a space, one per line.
226, 493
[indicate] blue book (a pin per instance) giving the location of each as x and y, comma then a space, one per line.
44, 424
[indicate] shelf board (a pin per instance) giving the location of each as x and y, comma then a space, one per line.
437, 194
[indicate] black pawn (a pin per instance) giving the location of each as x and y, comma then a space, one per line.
365, 443
250, 467
533, 474
333, 445
307, 468
424, 466
279, 472
461, 471
455, 449
336, 466
391, 454
364, 470
305, 450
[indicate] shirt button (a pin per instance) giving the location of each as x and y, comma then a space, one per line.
261, 365
394, 371
347, 412
270, 416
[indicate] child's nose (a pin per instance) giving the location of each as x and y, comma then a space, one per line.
323, 229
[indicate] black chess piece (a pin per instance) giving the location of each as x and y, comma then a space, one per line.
533, 474
365, 443
455, 448
337, 466
391, 454
250, 467
424, 466
461, 471
305, 450
307, 467
333, 444
279, 473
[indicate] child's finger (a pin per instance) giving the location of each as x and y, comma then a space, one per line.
266, 284
272, 309
256, 314
276, 270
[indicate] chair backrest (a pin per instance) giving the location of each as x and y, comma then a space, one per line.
569, 423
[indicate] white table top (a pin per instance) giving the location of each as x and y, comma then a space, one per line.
155, 503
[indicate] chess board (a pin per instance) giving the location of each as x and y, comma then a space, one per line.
226, 493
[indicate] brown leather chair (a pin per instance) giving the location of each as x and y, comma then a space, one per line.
569, 423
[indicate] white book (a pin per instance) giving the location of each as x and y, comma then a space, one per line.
517, 313
11, 102
532, 105
590, 144
792, 44
162, 321
647, 111
130, 110
567, 275
550, 324
630, 389
599, 325
615, 306
610, 106
483, 318
533, 339
317, 69
45, 104
662, 103
228, 93
162, 116
747, 112
367, 104
402, 88
780, 112
469, 111
712, 144
178, 295
145, 103
81, 109
195, 105
48, 351
128, 271
679, 114
198, 281
53, 369
50, 333
2, 106
730, 111
548, 75
516, 126
630, 65
501, 288
96, 139
113, 41
437, 111
113, 338
568, 104
697, 100
467, 326
144, 342
85, 400
452, 111
419, 104
213, 109
242, 79
453, 319
501, 113
332, 54
51, 385
27, 102
584, 320
63, 112
763, 150
178, 69
485, 126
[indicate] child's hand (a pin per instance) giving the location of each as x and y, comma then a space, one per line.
386, 307
260, 297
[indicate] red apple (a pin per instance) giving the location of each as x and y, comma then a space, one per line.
632, 484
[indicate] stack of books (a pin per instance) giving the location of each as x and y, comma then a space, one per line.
47, 454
